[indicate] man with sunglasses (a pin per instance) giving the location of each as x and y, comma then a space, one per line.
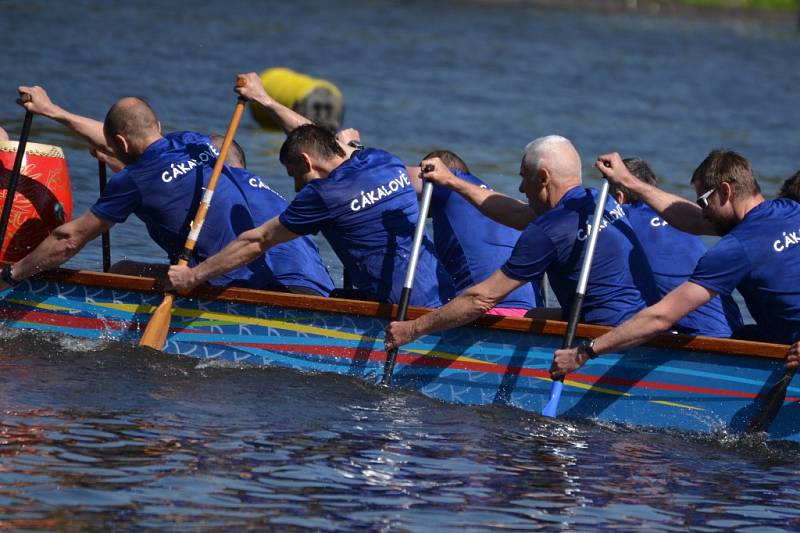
758, 254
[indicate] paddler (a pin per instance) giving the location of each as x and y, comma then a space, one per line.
470, 246
554, 231
758, 254
673, 255
362, 201
161, 184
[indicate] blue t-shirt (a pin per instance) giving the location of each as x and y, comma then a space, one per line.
164, 188
471, 247
295, 263
555, 243
673, 255
367, 210
761, 257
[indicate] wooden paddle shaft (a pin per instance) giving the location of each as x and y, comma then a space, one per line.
205, 203
155, 334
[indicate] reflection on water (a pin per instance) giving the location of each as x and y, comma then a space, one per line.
95, 435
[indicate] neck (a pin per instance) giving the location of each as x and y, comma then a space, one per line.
139, 146
559, 189
741, 208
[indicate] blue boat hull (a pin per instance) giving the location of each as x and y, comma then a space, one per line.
652, 386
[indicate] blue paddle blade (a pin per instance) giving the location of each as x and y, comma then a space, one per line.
555, 395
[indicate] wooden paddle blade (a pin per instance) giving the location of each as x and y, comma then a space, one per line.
772, 403
155, 334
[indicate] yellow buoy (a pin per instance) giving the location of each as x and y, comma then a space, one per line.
318, 100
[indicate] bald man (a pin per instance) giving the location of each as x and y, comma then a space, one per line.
162, 183
555, 229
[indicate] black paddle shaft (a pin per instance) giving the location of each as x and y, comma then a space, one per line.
12, 183
106, 238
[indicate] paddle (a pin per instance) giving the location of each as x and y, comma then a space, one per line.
772, 403
155, 334
405, 295
12, 182
101, 168
580, 291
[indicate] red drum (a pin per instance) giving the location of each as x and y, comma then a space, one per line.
43, 200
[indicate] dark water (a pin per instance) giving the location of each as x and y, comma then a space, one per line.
96, 436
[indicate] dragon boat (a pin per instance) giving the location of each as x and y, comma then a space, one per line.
696, 384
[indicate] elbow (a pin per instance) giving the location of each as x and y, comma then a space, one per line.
660, 320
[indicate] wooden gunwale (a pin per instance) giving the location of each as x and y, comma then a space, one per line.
387, 311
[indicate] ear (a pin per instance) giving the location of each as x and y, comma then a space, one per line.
307, 162
725, 192
619, 196
545, 174
158, 126
122, 143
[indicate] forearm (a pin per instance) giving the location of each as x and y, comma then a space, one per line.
465, 308
287, 119
89, 129
679, 212
61, 245
243, 250
642, 327
497, 206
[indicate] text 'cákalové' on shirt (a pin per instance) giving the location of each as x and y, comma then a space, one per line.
164, 188
555, 243
367, 210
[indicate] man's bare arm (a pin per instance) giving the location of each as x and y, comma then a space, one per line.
464, 308
642, 327
283, 117
244, 249
88, 128
65, 241
492, 204
678, 212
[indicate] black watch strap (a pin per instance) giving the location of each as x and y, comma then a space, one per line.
588, 348
7, 275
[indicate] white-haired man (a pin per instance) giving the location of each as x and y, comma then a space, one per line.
555, 222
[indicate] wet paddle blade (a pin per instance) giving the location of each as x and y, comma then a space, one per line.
551, 409
155, 334
772, 403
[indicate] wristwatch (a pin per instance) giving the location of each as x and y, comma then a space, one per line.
355, 144
7, 275
587, 347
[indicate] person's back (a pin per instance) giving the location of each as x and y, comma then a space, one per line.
760, 257
673, 255
557, 239
295, 264
367, 209
471, 246
163, 187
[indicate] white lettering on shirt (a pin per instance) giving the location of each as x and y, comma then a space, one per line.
368, 198
608, 218
787, 240
176, 170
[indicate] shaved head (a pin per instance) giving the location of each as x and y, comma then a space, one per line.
556, 154
132, 117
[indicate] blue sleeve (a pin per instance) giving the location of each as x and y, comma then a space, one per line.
307, 213
723, 267
533, 253
119, 199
